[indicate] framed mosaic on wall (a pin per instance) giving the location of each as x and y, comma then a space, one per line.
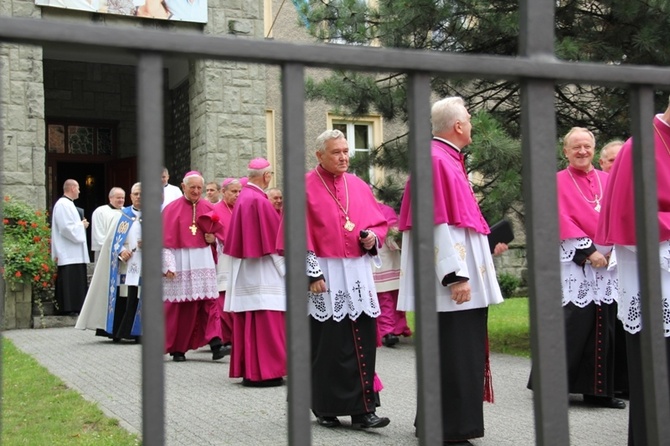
179, 10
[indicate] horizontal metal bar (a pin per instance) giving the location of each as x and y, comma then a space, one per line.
73, 37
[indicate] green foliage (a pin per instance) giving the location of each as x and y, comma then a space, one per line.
38, 409
610, 31
509, 327
508, 284
27, 246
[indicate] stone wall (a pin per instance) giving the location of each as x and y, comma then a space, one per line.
228, 98
23, 130
18, 307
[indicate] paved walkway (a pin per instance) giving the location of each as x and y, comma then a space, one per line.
205, 407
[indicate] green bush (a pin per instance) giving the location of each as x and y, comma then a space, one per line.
508, 284
27, 245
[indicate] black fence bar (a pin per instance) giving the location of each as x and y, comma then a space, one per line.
87, 37
428, 372
655, 373
297, 328
150, 140
2, 238
538, 117
547, 332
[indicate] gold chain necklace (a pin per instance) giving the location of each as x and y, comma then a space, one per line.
597, 197
349, 225
662, 139
193, 226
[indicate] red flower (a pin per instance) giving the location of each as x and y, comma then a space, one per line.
33, 225
38, 213
21, 223
17, 274
5, 221
36, 277
27, 258
37, 238
44, 284
6, 197
45, 267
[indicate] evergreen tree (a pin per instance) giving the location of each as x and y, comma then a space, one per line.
610, 31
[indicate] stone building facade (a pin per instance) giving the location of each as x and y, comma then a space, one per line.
217, 115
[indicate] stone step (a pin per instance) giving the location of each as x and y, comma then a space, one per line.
54, 321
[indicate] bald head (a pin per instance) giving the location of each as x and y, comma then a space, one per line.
71, 189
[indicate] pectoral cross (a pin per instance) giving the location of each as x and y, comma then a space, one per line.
193, 228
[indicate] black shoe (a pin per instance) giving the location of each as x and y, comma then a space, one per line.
178, 357
369, 420
263, 383
604, 401
220, 352
390, 340
328, 421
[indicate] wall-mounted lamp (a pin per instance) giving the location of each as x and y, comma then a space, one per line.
90, 181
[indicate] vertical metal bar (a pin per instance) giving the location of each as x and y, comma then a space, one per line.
428, 370
297, 327
547, 328
150, 140
539, 164
654, 363
2, 236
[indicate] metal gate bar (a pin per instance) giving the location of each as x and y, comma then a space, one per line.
654, 368
298, 348
547, 327
150, 140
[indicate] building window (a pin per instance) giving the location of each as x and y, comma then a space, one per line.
77, 138
363, 135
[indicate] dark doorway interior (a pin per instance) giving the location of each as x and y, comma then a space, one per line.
91, 179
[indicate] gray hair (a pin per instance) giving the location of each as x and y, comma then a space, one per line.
609, 145
187, 179
114, 190
232, 182
578, 129
136, 186
326, 136
445, 113
254, 173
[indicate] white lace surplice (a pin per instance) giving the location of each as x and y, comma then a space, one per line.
457, 250
629, 289
195, 275
583, 285
351, 288
256, 284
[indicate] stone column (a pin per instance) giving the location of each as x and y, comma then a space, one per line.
22, 118
23, 124
227, 99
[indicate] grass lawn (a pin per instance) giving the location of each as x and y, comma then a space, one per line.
38, 409
509, 327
